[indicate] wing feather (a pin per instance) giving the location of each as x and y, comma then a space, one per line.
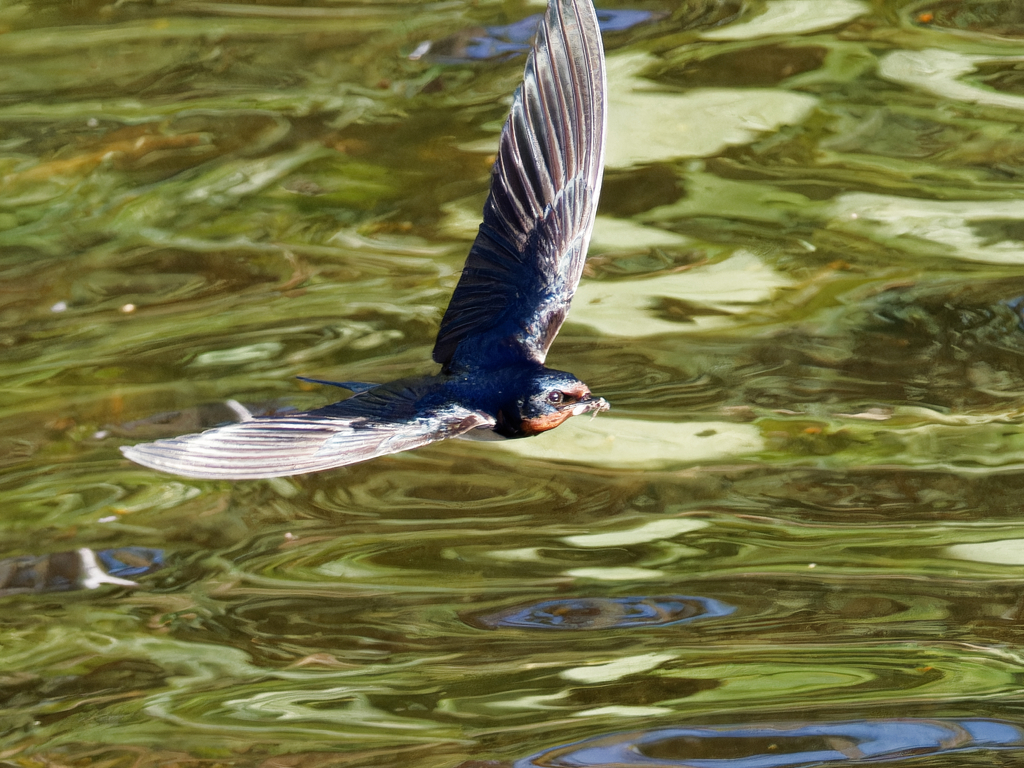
385, 420
528, 256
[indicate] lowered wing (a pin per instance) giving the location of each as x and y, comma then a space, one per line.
527, 259
387, 419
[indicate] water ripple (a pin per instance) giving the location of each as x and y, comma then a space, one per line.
583, 613
780, 745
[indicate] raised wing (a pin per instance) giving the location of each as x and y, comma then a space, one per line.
527, 259
391, 418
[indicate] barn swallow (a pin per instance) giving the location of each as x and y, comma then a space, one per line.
508, 305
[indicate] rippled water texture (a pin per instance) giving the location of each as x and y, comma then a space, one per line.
796, 539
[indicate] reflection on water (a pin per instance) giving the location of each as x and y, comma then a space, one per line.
608, 613
801, 517
781, 746
82, 569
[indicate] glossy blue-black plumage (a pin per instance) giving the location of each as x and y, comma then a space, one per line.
513, 295
528, 257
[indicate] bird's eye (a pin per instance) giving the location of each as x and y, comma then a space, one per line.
555, 398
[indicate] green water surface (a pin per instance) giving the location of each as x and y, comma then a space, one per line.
800, 303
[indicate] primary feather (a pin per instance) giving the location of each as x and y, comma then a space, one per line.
384, 420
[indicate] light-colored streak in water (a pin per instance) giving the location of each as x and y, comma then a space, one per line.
792, 17
626, 307
939, 72
617, 442
624, 235
647, 124
621, 573
615, 670
656, 530
1005, 552
948, 224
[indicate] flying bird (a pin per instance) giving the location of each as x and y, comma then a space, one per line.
510, 301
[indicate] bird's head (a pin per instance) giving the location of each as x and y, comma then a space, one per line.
552, 397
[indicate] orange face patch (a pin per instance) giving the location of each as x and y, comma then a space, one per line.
540, 424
